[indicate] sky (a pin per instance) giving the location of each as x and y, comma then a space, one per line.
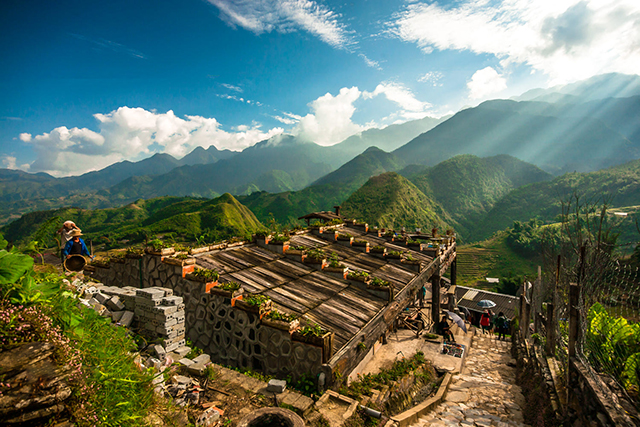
86, 84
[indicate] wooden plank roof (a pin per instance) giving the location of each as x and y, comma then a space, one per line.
302, 290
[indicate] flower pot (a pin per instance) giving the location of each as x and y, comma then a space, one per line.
159, 252
339, 272
316, 263
280, 324
194, 251
216, 290
256, 309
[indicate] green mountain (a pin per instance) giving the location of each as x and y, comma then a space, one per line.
391, 201
467, 186
328, 191
620, 185
555, 144
186, 218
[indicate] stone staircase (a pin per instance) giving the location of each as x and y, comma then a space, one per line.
484, 393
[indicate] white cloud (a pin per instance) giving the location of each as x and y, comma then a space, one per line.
263, 16
330, 120
9, 162
432, 78
370, 62
485, 83
132, 134
566, 39
411, 107
25, 137
232, 87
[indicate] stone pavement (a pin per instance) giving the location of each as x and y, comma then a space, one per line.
484, 393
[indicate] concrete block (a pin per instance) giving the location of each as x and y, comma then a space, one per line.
181, 379
147, 302
186, 362
196, 369
114, 303
175, 345
101, 298
165, 310
106, 313
172, 300
117, 315
183, 351
276, 386
150, 293
166, 292
159, 350
203, 358
126, 319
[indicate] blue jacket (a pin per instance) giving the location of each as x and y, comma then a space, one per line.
69, 245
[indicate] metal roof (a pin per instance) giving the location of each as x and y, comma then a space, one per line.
469, 298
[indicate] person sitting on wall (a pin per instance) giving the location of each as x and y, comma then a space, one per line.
75, 246
445, 329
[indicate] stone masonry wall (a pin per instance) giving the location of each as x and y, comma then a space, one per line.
231, 336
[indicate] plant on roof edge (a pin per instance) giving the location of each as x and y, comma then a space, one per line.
356, 274
206, 274
376, 281
316, 254
394, 253
297, 248
334, 261
279, 315
255, 300
312, 330
280, 238
230, 286
157, 244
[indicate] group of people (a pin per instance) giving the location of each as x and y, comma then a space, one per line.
491, 323
71, 242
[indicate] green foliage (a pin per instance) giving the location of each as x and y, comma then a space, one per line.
376, 281
355, 274
280, 238
399, 369
229, 286
305, 384
316, 254
613, 346
510, 284
275, 314
312, 330
334, 261
297, 248
210, 373
157, 244
13, 266
255, 300
361, 346
195, 351
206, 274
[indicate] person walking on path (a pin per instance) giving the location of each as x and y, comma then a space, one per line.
501, 326
75, 246
485, 322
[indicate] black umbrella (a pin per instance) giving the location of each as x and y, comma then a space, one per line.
457, 319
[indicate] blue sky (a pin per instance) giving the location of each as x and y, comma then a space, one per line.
86, 83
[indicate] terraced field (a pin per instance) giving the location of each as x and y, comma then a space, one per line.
491, 258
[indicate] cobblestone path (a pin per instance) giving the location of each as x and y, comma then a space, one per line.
484, 393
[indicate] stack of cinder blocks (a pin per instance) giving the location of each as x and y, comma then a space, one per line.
160, 315
110, 301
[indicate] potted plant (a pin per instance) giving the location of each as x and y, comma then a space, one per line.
393, 255
379, 249
263, 236
316, 257
158, 247
311, 334
412, 263
414, 244
335, 267
381, 288
225, 289
280, 239
279, 320
344, 237
359, 276
253, 303
204, 275
133, 253
179, 259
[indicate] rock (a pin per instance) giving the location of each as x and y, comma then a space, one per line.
277, 386
457, 396
209, 417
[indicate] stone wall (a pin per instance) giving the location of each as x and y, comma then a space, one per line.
230, 335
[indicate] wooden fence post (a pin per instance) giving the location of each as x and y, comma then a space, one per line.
574, 317
527, 319
536, 321
551, 330
435, 298
523, 308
